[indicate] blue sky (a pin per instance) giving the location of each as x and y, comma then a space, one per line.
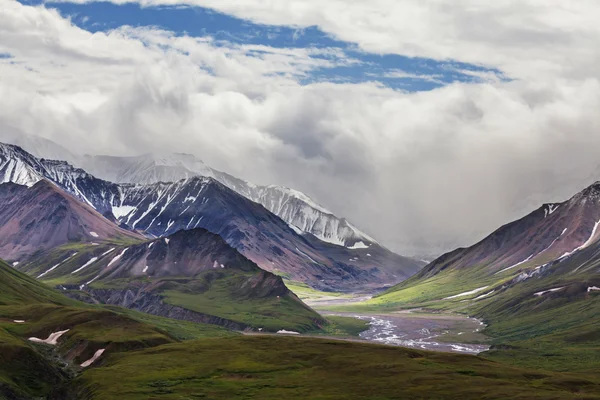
391, 70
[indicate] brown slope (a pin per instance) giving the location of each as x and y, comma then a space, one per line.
43, 217
554, 231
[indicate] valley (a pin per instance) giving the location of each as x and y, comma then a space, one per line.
226, 299
299, 200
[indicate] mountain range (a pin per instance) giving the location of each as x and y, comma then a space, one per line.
190, 275
292, 206
163, 208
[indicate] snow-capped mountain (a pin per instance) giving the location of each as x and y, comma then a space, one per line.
294, 207
161, 209
20, 167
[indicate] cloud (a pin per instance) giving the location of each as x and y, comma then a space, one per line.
525, 39
422, 171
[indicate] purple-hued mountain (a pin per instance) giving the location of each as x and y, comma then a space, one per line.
43, 217
162, 209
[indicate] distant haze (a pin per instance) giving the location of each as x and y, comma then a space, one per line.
421, 171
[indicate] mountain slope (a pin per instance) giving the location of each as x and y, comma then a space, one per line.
43, 217
290, 205
553, 240
535, 281
191, 275
164, 208
17, 288
29, 309
136, 355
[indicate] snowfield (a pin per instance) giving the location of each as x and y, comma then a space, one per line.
52, 339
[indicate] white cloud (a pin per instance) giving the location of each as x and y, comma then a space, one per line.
413, 169
525, 39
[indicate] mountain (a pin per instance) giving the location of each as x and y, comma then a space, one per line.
554, 232
535, 282
191, 275
33, 367
292, 206
557, 241
162, 209
43, 216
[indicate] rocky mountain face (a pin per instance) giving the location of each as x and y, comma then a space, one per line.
43, 216
290, 205
161, 209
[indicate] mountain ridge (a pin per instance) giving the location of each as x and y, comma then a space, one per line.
163, 208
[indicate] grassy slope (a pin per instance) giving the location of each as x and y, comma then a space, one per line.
559, 332
260, 367
30, 370
222, 299
18, 288
301, 368
305, 292
346, 327
204, 293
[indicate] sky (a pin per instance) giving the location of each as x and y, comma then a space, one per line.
428, 124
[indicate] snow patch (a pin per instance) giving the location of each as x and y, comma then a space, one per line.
122, 211
145, 269
94, 234
90, 282
94, 358
284, 332
19, 321
107, 252
15, 263
593, 289
548, 291
359, 245
87, 264
586, 244
305, 255
516, 265
485, 295
52, 339
467, 293
551, 209
296, 229
167, 240
114, 260
57, 265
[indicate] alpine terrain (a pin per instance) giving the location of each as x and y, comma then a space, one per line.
164, 208
535, 281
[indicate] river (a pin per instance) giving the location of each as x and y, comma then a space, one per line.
414, 329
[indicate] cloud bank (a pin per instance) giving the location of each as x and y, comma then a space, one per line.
422, 172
